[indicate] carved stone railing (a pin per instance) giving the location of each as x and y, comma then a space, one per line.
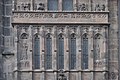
60, 17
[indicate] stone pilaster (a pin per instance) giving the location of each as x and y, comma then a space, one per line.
113, 40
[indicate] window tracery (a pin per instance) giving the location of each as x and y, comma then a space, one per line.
36, 51
84, 51
60, 51
48, 57
72, 48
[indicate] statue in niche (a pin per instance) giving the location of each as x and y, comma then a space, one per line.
83, 7
24, 55
99, 7
25, 6
41, 6
103, 7
24, 46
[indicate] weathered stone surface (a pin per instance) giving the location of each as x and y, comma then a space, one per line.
88, 17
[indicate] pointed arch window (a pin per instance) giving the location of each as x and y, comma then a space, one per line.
36, 52
97, 47
48, 52
84, 52
72, 46
60, 51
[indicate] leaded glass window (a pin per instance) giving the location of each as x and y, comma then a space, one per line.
36, 52
67, 5
72, 48
84, 52
60, 52
48, 52
97, 47
53, 5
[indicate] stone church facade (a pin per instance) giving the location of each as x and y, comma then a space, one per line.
59, 40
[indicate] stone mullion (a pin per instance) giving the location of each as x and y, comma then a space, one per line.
78, 50
46, 6
42, 76
59, 5
42, 50
54, 51
90, 54
90, 8
32, 2
79, 76
30, 47
75, 5
15, 53
66, 52
78, 53
106, 47
55, 75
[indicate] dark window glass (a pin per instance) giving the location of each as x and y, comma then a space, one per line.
48, 52
60, 52
36, 52
85, 52
67, 5
53, 5
72, 51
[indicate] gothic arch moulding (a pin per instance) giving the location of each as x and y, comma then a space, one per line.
24, 36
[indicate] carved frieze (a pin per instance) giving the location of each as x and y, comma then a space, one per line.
67, 17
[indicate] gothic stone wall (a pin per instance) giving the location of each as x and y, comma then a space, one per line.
23, 69
97, 69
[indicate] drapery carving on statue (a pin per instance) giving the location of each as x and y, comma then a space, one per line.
99, 62
24, 46
24, 54
97, 46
